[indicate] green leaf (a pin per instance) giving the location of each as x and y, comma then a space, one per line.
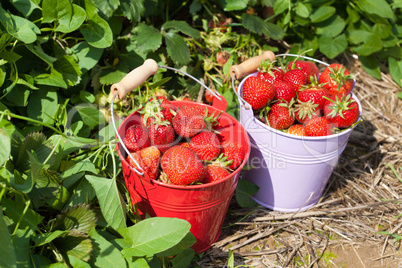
184, 244
14, 209
7, 257
183, 259
97, 32
377, 7
371, 44
22, 244
132, 10
322, 13
38, 51
110, 201
73, 21
147, 38
332, 47
89, 114
31, 142
68, 16
395, 68
82, 192
20, 28
281, 6
25, 7
69, 68
370, 65
54, 79
80, 218
244, 192
108, 7
104, 253
181, 26
302, 10
46, 238
153, 235
74, 244
85, 165
177, 48
333, 26
87, 96
5, 146
88, 56
19, 96
42, 105
232, 5
258, 25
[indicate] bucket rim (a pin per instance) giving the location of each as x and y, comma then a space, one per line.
197, 186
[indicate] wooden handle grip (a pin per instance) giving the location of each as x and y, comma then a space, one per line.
250, 65
134, 78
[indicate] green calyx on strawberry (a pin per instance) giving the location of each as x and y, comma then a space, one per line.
337, 79
305, 111
269, 72
342, 111
218, 169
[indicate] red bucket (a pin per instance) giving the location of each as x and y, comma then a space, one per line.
204, 206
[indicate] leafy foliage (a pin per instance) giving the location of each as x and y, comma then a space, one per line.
62, 196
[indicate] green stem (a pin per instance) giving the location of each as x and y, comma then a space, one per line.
28, 203
3, 191
113, 160
34, 121
52, 152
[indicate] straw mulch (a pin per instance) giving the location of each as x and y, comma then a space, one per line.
358, 221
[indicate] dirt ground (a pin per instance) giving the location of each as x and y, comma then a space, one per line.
357, 222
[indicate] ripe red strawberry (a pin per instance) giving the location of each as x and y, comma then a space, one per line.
314, 92
188, 121
234, 152
182, 166
157, 109
209, 97
313, 72
206, 145
281, 115
296, 77
305, 111
162, 135
136, 137
309, 68
215, 173
257, 92
342, 112
284, 91
336, 79
319, 126
148, 159
297, 129
269, 72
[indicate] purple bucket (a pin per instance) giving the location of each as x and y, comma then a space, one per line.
291, 171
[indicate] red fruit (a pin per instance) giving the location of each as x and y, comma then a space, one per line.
234, 152
337, 79
209, 97
148, 159
257, 92
222, 57
188, 121
269, 72
136, 138
314, 92
284, 91
296, 77
309, 68
319, 126
305, 111
162, 135
281, 116
342, 112
182, 166
297, 129
215, 173
157, 109
313, 72
206, 145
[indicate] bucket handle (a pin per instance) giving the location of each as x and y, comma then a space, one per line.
138, 76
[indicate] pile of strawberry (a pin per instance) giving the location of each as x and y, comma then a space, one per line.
181, 145
300, 101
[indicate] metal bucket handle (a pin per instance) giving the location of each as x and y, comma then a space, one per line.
134, 79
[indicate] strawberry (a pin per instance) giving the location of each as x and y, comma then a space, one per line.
206, 145
281, 115
305, 111
284, 91
296, 77
336, 79
342, 112
222, 57
215, 173
319, 126
188, 121
297, 129
313, 72
269, 72
257, 92
209, 97
148, 159
182, 166
234, 152
309, 68
162, 135
314, 92
136, 138
157, 109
